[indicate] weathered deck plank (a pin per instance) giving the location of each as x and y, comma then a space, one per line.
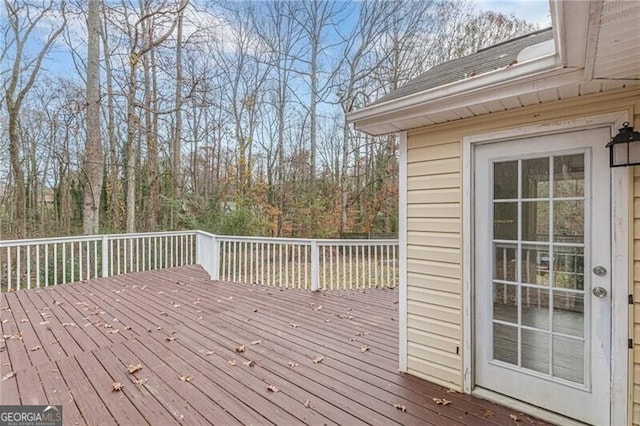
176, 323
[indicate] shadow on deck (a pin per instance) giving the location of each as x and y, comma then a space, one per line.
218, 353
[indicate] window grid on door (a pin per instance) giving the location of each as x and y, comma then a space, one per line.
538, 256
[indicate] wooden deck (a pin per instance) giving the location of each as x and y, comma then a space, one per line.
218, 353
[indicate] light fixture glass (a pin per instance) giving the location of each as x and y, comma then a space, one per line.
624, 148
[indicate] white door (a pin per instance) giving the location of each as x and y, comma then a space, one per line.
542, 257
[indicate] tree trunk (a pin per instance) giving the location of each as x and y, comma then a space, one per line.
17, 170
94, 156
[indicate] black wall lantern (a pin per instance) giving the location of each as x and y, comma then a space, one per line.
624, 148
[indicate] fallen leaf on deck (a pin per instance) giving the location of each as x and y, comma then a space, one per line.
514, 417
400, 407
241, 349
452, 391
441, 401
256, 342
364, 348
68, 324
5, 321
294, 325
8, 375
108, 326
293, 364
363, 333
318, 359
116, 386
161, 292
486, 413
158, 328
133, 368
164, 314
318, 308
272, 388
127, 327
170, 338
307, 403
327, 321
24, 320
141, 381
186, 378
249, 363
44, 323
232, 362
113, 331
35, 348
230, 297
209, 353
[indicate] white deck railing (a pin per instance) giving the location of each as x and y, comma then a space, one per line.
282, 262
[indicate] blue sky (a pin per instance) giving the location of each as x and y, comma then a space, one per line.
535, 11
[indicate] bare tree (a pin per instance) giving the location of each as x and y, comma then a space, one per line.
23, 20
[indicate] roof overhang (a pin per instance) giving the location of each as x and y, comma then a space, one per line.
597, 48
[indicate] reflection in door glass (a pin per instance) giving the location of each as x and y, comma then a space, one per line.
538, 265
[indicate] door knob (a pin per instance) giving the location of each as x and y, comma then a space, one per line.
599, 292
600, 271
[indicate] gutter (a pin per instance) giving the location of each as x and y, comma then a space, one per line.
455, 94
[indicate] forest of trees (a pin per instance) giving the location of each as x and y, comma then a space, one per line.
227, 116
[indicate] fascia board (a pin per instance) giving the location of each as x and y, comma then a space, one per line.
491, 79
556, 77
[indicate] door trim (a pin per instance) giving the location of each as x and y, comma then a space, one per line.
620, 188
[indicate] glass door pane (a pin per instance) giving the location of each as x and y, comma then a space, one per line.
538, 262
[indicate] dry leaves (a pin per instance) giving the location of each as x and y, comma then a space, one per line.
400, 407
318, 359
35, 348
116, 386
241, 349
232, 362
514, 417
8, 375
441, 401
364, 348
44, 323
249, 363
24, 320
294, 325
127, 327
256, 342
170, 338
307, 403
141, 381
68, 324
486, 413
209, 353
133, 368
293, 364
272, 388
186, 378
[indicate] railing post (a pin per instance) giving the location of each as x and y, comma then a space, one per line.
105, 256
315, 266
215, 258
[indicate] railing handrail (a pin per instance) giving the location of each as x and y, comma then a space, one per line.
307, 241
82, 238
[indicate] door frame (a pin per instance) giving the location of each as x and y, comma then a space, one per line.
620, 187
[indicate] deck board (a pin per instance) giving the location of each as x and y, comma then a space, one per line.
177, 323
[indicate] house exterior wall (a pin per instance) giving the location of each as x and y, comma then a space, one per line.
434, 222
